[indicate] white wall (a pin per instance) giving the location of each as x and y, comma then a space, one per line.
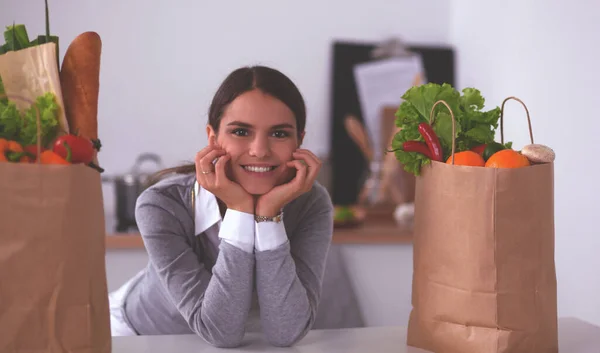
162, 61
546, 53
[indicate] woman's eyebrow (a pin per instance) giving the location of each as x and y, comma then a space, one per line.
240, 124
282, 126
250, 126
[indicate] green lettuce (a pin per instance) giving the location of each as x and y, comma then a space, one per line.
22, 126
473, 125
49, 109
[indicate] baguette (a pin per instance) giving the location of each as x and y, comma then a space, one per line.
80, 84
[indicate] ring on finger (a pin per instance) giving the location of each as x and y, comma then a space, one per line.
203, 172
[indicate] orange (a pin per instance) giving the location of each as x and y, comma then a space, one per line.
507, 159
469, 158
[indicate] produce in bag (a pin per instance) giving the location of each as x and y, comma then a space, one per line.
426, 132
484, 278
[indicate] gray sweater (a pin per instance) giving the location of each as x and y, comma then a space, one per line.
187, 288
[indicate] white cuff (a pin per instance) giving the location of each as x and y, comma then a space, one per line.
269, 235
237, 229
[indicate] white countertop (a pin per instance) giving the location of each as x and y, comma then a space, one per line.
575, 336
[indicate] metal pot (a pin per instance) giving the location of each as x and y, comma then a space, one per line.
128, 188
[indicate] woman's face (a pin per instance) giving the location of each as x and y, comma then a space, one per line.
259, 132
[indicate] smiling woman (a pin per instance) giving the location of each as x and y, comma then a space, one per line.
222, 258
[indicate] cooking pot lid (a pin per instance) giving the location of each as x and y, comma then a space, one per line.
136, 174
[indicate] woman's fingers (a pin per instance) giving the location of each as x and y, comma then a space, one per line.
207, 163
205, 173
203, 152
313, 163
221, 177
301, 171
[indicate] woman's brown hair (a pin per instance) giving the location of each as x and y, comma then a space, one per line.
244, 79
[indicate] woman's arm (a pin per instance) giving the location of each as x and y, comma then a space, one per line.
215, 306
289, 277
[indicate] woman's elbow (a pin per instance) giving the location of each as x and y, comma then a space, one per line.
282, 341
285, 338
232, 341
220, 336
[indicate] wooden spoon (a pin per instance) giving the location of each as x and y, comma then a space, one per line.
358, 134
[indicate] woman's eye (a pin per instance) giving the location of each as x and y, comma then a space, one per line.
240, 132
281, 134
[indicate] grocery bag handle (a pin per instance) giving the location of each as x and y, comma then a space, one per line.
502, 120
37, 120
453, 124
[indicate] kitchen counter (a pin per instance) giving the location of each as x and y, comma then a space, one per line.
376, 231
575, 336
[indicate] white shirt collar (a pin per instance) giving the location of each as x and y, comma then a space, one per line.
207, 211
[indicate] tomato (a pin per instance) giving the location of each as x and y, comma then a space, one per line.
82, 149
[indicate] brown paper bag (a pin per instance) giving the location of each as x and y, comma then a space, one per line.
484, 276
31, 73
53, 290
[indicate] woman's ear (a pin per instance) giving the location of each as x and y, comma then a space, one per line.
210, 132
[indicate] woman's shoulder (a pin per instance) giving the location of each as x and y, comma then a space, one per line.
316, 200
319, 194
176, 188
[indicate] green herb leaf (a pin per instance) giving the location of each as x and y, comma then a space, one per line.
411, 161
423, 97
10, 120
48, 120
22, 127
473, 125
443, 129
16, 37
2, 92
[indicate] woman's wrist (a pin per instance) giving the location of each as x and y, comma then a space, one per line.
246, 207
267, 211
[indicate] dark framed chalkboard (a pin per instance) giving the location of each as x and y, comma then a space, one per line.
349, 168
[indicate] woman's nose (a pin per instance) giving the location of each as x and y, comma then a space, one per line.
260, 148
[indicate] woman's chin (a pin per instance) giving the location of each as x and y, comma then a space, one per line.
257, 190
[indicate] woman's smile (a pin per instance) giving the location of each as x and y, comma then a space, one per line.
260, 170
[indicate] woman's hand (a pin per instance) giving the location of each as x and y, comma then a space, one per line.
307, 168
212, 177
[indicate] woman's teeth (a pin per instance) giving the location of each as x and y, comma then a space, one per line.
258, 169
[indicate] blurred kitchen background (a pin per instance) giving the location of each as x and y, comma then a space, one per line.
162, 62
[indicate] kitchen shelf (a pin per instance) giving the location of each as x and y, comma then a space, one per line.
378, 232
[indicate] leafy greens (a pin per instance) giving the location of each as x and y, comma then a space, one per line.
22, 126
473, 125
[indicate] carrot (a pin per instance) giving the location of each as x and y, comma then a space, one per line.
50, 157
80, 84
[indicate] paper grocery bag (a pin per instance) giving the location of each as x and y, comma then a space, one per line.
484, 276
53, 290
31, 73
